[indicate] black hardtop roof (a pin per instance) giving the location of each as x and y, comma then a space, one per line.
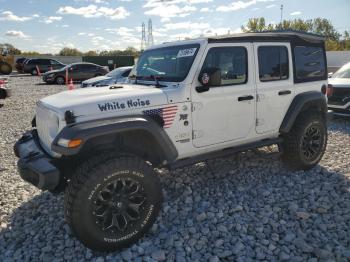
290, 36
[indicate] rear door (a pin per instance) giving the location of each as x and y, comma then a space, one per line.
44, 65
274, 84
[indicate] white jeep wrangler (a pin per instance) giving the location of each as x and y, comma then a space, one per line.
191, 101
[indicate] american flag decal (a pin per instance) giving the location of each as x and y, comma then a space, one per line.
167, 113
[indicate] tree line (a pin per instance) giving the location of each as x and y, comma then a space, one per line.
335, 41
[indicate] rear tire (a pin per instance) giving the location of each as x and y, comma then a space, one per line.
34, 72
305, 144
60, 80
111, 202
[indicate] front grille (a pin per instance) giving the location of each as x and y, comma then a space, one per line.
340, 96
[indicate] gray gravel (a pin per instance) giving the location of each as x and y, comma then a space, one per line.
246, 207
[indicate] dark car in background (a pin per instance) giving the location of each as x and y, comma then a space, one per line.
339, 101
19, 64
43, 64
118, 75
77, 72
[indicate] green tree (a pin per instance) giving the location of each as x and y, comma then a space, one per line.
30, 53
255, 25
91, 53
319, 26
66, 51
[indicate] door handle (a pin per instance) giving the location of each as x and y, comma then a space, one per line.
245, 98
284, 92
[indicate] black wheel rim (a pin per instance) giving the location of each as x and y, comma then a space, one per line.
119, 205
311, 142
60, 80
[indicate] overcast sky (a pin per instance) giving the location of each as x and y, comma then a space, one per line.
48, 25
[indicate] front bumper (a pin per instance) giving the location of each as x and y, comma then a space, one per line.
35, 165
48, 79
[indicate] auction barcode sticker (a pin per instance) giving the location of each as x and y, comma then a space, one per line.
186, 52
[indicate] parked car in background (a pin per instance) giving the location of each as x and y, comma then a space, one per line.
339, 101
76, 71
4, 92
43, 64
19, 64
118, 75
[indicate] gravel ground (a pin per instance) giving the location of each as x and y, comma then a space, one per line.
246, 207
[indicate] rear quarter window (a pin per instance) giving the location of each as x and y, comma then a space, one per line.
310, 64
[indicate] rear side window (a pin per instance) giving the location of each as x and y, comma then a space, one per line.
43, 62
310, 64
232, 62
273, 63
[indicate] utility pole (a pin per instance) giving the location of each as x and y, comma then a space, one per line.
281, 17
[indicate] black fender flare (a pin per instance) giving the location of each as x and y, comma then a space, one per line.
302, 102
99, 129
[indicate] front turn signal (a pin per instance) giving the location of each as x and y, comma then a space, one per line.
74, 143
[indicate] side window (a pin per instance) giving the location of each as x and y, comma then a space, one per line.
126, 73
232, 63
43, 62
273, 63
310, 63
54, 62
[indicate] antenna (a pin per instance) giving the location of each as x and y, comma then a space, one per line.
143, 40
150, 34
281, 16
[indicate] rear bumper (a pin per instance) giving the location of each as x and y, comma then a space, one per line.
35, 165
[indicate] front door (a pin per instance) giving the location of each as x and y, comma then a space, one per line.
225, 112
274, 85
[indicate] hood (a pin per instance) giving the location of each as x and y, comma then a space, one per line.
106, 100
339, 82
96, 79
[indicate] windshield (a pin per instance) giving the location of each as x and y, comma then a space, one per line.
168, 64
116, 72
343, 72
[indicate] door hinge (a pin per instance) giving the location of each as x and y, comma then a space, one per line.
259, 97
196, 106
259, 122
197, 134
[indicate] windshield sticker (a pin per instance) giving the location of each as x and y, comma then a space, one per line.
186, 52
136, 103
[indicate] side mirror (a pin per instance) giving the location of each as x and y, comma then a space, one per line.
330, 74
209, 77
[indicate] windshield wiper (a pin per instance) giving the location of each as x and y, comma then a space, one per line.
156, 78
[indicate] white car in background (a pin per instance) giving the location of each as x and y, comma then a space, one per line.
339, 101
118, 75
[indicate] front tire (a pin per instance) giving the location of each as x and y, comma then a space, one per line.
305, 144
111, 202
60, 80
